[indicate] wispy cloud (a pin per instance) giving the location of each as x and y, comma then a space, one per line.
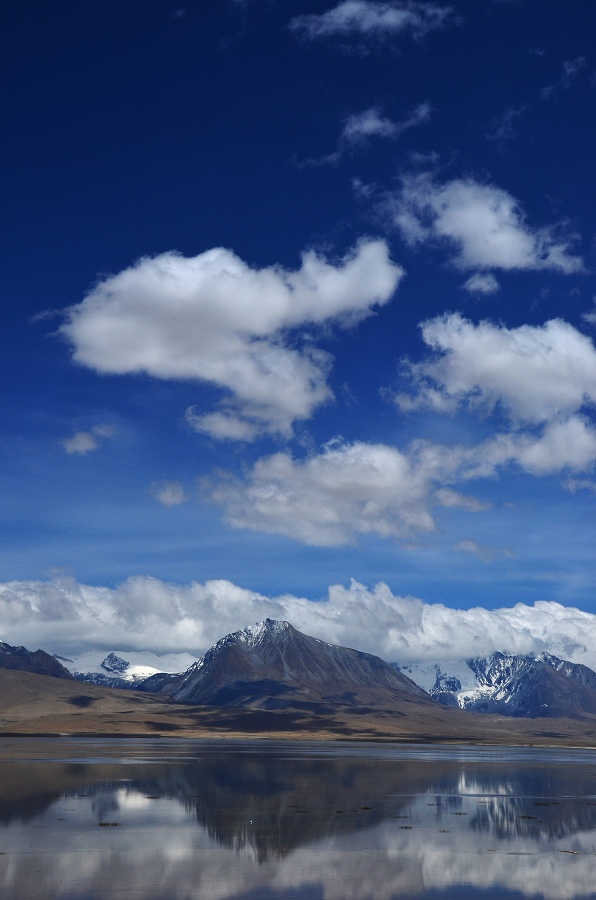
468, 545
570, 70
168, 493
503, 128
83, 442
359, 128
370, 21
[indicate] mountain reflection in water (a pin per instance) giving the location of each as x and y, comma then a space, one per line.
157, 819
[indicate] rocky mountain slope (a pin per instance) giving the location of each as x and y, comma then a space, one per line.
37, 661
274, 666
521, 686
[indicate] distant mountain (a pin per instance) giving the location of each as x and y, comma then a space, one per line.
37, 661
115, 671
273, 666
510, 685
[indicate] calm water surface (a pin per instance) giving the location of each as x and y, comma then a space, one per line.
86, 818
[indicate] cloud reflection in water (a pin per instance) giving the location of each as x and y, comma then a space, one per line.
298, 820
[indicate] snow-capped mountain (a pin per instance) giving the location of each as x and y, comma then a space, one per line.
511, 685
273, 666
116, 671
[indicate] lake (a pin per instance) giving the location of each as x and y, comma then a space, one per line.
174, 819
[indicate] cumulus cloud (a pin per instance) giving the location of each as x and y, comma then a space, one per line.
539, 378
144, 613
332, 497
535, 372
213, 318
483, 225
168, 493
83, 442
329, 498
481, 283
370, 20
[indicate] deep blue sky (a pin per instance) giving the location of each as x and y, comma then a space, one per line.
459, 138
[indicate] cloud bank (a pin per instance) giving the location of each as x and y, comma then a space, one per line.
248, 331
144, 613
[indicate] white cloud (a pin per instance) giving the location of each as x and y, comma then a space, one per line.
329, 498
372, 20
144, 613
332, 497
168, 493
83, 442
481, 283
213, 318
569, 444
483, 224
536, 373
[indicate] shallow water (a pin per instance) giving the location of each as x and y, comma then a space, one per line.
155, 818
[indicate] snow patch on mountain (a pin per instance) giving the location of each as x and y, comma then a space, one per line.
502, 682
123, 671
256, 634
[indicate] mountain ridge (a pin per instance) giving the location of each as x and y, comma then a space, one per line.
272, 665
513, 685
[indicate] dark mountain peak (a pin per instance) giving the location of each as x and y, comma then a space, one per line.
39, 662
114, 664
272, 665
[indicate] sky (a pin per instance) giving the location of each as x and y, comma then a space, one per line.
299, 316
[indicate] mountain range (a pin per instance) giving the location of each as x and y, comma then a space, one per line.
272, 666
511, 685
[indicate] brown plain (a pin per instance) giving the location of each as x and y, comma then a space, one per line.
37, 705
